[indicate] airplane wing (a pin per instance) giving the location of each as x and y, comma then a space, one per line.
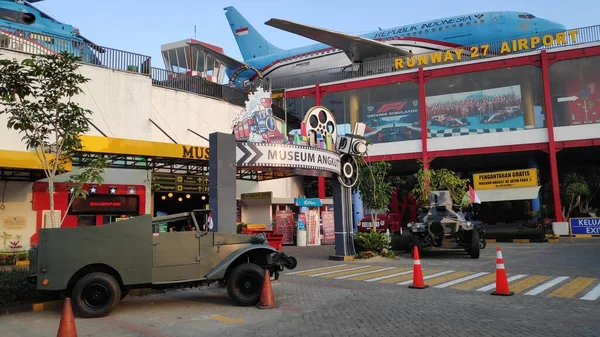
228, 61
357, 48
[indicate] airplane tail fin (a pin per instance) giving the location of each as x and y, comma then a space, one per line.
249, 40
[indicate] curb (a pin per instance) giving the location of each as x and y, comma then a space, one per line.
35, 307
581, 236
341, 257
44, 306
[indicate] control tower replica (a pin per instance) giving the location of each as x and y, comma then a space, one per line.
185, 57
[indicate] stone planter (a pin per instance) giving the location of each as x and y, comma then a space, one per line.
560, 228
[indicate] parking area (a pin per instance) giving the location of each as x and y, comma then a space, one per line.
372, 298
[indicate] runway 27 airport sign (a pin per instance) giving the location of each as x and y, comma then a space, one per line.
258, 155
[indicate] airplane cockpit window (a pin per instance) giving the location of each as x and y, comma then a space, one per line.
526, 16
17, 17
8, 15
28, 18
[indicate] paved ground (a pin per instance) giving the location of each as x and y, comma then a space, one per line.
337, 301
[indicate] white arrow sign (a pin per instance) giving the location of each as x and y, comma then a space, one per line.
567, 99
286, 156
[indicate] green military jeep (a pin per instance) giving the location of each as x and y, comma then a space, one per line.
97, 266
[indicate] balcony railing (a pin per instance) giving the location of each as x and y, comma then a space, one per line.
198, 85
493, 49
35, 43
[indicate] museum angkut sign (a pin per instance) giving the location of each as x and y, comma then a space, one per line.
263, 142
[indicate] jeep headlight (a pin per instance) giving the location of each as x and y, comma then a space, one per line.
415, 227
467, 225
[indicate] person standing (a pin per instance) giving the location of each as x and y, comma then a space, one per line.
209, 221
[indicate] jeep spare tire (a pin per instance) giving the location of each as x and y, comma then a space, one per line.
95, 295
244, 284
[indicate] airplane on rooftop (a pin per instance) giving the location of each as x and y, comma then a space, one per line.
24, 26
337, 49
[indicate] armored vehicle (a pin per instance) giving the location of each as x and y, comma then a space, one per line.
444, 226
97, 266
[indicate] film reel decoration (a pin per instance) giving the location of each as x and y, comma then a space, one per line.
319, 120
348, 176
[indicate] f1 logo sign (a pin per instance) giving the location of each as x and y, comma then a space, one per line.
394, 106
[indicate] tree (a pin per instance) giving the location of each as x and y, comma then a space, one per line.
591, 175
442, 179
37, 96
573, 188
374, 186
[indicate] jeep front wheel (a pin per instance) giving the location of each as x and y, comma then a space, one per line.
244, 284
474, 250
95, 295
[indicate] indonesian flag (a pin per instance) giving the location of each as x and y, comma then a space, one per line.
241, 31
473, 196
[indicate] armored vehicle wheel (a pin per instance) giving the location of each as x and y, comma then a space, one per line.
474, 251
293, 264
244, 284
95, 295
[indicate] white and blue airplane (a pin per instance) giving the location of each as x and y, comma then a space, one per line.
25, 27
336, 49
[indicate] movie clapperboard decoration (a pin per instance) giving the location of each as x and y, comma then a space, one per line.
270, 155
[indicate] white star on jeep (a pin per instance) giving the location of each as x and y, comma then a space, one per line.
93, 190
131, 191
113, 190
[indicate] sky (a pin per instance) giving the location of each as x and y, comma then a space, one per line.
143, 26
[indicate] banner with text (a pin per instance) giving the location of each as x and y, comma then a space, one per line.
284, 222
313, 228
392, 121
506, 179
328, 227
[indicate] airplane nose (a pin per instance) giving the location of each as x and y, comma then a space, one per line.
546, 26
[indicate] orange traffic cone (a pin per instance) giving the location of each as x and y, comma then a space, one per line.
267, 299
67, 328
418, 282
501, 279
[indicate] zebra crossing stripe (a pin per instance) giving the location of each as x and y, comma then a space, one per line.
593, 294
338, 271
493, 285
315, 269
460, 280
547, 285
388, 276
427, 277
364, 273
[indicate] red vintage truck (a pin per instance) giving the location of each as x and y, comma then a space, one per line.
395, 219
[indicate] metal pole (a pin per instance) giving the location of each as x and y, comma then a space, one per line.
285, 115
